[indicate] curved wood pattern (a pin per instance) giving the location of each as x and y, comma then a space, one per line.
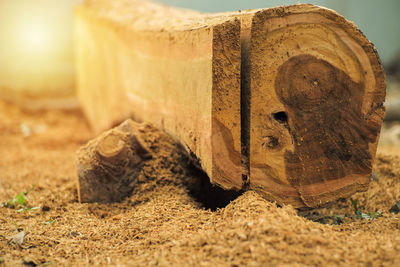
177, 69
317, 91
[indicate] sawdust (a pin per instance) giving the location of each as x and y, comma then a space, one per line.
174, 217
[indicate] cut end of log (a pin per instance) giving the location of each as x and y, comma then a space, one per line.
109, 165
323, 105
111, 145
314, 139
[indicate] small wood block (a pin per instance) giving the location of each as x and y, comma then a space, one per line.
108, 166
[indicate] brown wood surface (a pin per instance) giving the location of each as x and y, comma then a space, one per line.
183, 76
108, 166
286, 101
317, 90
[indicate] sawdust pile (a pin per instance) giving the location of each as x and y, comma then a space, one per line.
174, 217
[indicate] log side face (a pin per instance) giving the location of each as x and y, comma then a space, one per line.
167, 78
99, 87
226, 124
172, 87
317, 91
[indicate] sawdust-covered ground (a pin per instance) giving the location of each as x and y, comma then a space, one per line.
173, 218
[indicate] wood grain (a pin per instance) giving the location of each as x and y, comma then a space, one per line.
286, 101
108, 166
317, 91
182, 74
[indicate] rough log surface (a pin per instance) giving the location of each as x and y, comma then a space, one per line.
108, 166
178, 69
286, 101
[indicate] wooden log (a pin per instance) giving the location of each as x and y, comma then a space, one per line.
286, 101
108, 166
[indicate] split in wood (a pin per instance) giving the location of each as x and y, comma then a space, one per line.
286, 101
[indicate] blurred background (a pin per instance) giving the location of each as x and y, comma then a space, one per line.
36, 52
36, 44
